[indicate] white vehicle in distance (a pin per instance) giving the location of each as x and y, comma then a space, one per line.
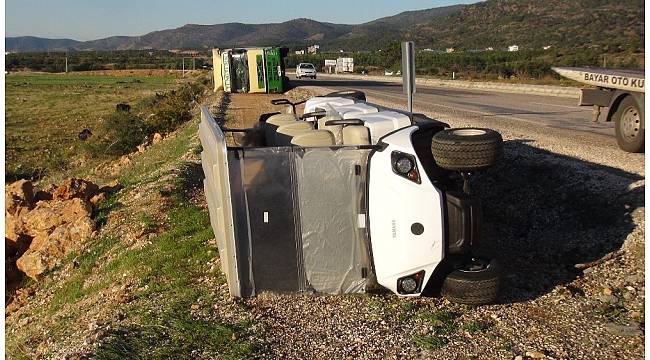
305, 70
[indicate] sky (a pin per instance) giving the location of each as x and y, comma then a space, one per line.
95, 19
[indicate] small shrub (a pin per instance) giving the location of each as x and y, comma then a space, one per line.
174, 109
120, 134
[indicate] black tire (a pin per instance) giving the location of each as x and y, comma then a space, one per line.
355, 94
475, 282
630, 134
466, 149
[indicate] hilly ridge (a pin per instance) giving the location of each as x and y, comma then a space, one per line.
608, 24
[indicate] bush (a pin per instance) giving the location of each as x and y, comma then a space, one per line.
173, 109
120, 134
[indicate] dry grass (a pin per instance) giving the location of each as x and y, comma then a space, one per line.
45, 112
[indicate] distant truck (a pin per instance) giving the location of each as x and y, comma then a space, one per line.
344, 65
249, 70
622, 92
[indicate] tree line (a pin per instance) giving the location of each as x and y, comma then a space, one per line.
100, 60
529, 64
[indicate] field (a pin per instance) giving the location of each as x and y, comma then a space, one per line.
45, 112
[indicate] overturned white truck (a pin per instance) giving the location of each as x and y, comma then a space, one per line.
350, 197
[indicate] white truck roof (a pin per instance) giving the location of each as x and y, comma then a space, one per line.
630, 80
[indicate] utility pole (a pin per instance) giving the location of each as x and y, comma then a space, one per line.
183, 67
408, 72
66, 64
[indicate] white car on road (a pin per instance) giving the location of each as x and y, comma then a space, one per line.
305, 70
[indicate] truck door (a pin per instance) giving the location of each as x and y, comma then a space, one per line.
261, 76
273, 70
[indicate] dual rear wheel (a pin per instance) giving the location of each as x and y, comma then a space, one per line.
473, 280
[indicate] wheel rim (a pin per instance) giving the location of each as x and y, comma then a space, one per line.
468, 132
630, 123
475, 265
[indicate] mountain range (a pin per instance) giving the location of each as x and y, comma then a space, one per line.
492, 23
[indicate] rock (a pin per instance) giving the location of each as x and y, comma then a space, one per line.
607, 291
75, 188
19, 194
623, 330
608, 299
635, 314
142, 148
31, 264
84, 134
112, 187
519, 357
42, 195
15, 226
156, 138
98, 198
125, 160
57, 227
535, 355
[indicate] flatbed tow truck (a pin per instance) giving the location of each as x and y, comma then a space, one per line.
622, 93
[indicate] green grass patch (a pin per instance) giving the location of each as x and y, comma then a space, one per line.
443, 321
475, 326
148, 223
73, 289
168, 269
429, 342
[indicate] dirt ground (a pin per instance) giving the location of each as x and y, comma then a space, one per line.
244, 110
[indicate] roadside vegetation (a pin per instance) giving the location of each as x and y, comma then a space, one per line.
148, 284
100, 60
46, 113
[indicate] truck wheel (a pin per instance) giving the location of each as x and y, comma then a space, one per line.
466, 149
476, 282
629, 126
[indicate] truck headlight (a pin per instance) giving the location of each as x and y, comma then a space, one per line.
404, 165
410, 284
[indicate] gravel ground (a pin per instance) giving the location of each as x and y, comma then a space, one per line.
559, 198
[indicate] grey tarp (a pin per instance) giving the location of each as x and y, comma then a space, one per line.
299, 219
332, 220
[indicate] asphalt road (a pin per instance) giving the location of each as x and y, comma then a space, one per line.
549, 111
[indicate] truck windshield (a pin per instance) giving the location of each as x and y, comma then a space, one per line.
306, 66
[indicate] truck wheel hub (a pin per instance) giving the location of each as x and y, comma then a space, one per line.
630, 123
